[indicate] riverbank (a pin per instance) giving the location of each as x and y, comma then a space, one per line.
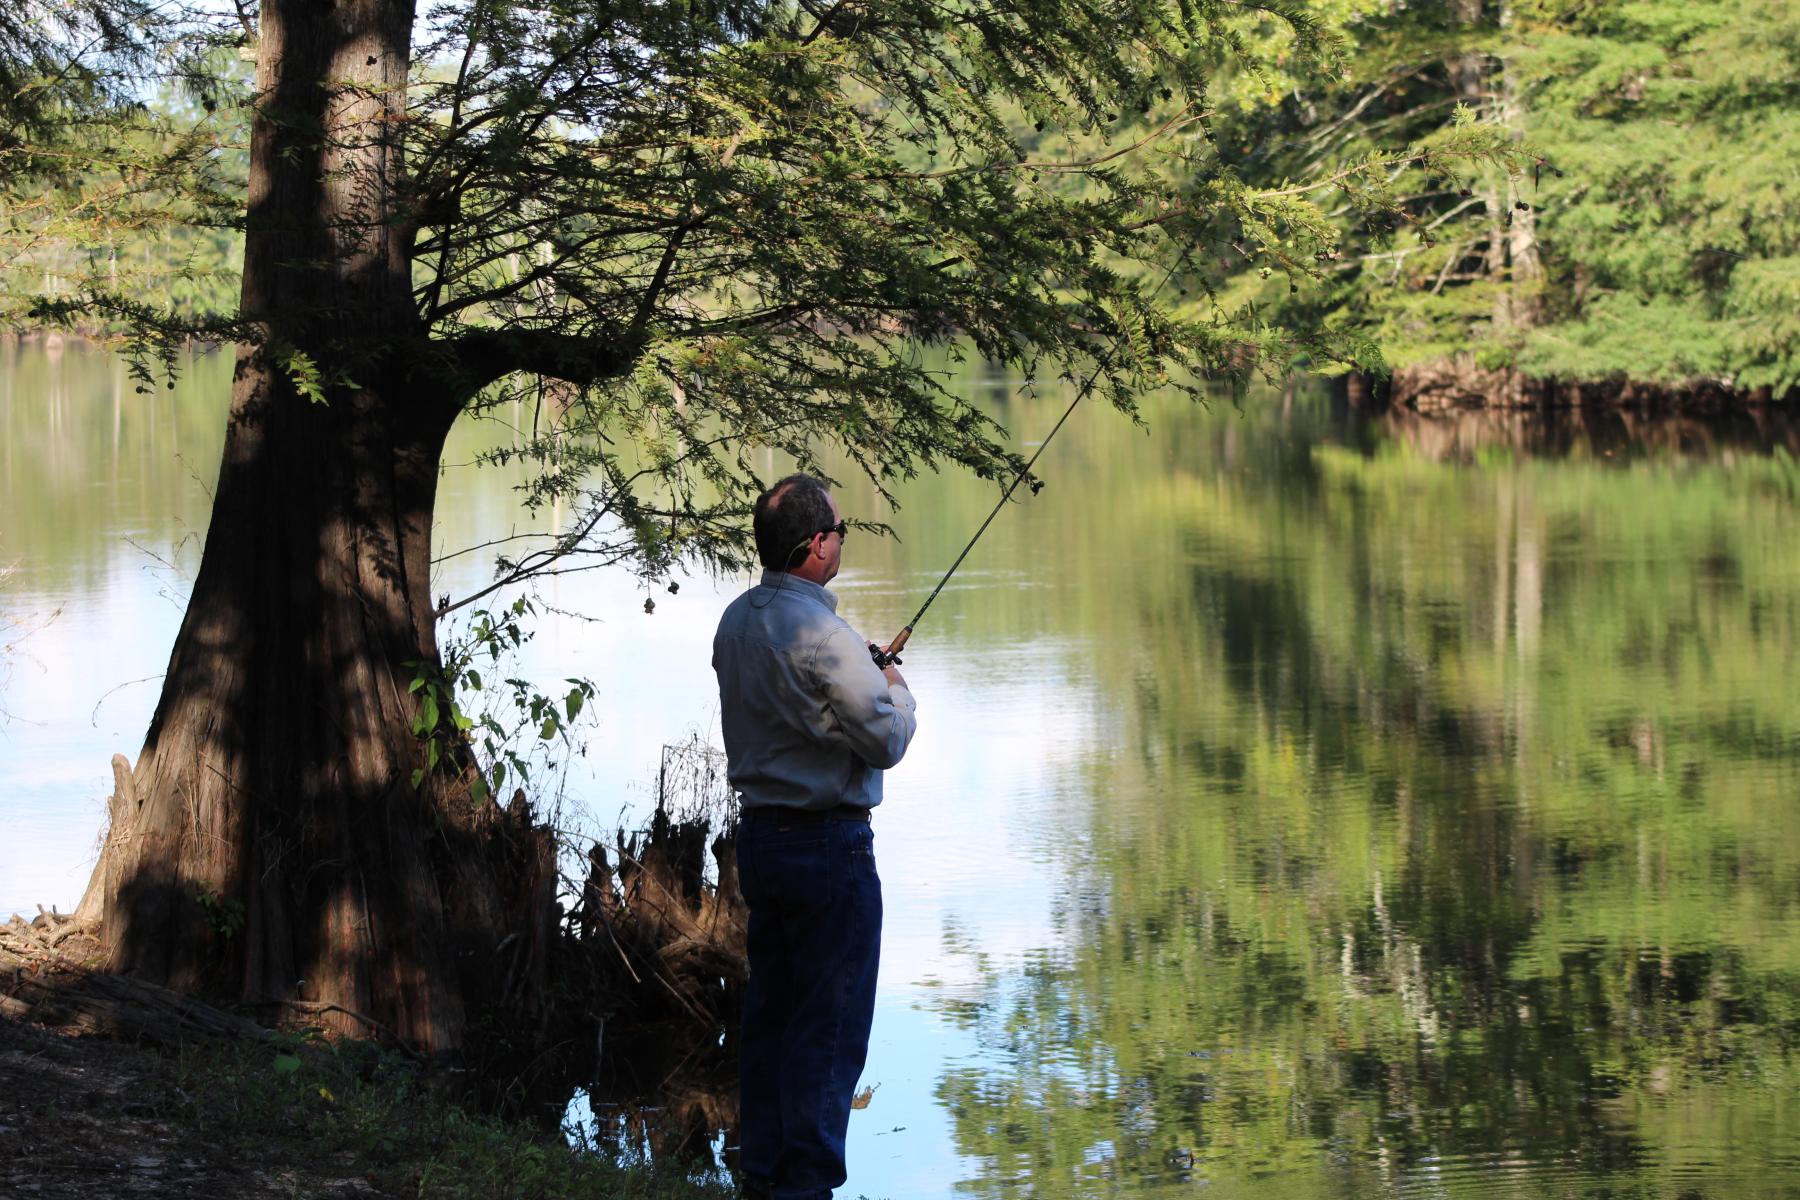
1436, 386
1445, 385
85, 1116
119, 1089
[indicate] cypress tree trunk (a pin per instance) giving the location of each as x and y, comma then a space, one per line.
274, 848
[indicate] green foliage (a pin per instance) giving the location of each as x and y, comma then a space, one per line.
701, 233
66, 59
123, 220
519, 729
1652, 235
1674, 213
1019, 183
308, 377
225, 914
823, 199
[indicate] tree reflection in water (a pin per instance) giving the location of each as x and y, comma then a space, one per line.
1449, 843
665, 1094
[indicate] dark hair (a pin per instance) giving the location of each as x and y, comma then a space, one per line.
787, 516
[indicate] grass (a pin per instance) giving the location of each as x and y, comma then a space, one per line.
349, 1118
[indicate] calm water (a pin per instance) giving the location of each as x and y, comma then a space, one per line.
1302, 807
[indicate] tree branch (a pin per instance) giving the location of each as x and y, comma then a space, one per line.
485, 355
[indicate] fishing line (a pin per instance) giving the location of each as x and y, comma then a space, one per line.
891, 654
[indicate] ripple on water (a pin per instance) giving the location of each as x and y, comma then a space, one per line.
1526, 1177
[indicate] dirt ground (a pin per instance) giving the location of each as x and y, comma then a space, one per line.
89, 1115
86, 1116
114, 1087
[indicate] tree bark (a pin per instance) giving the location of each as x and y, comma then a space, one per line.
1487, 84
1469, 77
274, 847
1515, 306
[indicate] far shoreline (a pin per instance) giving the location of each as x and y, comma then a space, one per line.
1438, 385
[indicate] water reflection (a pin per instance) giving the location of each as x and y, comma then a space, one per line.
667, 1096
1450, 846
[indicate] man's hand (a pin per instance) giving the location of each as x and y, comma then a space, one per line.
885, 659
888, 670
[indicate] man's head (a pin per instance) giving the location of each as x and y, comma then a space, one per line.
795, 525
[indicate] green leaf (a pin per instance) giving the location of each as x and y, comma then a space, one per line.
300, 369
286, 1064
573, 702
549, 728
418, 777
429, 713
472, 679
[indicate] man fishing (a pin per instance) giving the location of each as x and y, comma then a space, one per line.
810, 722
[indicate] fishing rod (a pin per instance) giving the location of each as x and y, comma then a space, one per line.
891, 653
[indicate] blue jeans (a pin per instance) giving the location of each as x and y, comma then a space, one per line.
814, 948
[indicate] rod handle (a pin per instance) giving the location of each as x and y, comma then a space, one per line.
891, 655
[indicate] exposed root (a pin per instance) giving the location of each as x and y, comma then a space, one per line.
48, 984
654, 934
654, 939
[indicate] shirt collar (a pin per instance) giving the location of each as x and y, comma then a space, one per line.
806, 587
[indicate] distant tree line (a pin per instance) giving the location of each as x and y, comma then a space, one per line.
1654, 240
122, 162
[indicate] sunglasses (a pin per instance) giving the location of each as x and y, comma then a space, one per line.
841, 529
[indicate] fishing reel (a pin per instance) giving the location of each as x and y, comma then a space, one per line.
890, 657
